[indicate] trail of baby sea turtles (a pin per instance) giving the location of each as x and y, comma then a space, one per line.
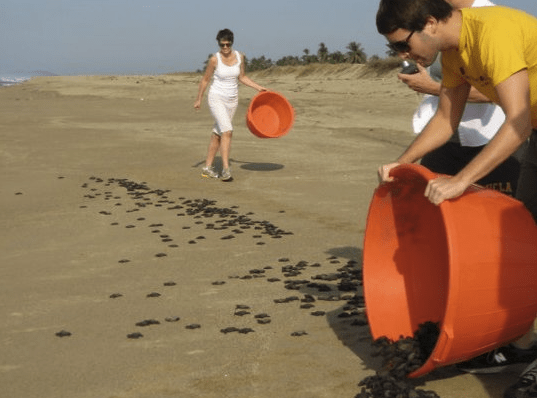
399, 358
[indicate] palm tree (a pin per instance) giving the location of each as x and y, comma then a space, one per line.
288, 60
322, 53
356, 54
258, 64
336, 57
307, 58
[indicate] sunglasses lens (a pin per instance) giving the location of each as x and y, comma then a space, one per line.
399, 47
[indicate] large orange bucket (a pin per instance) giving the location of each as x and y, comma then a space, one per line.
469, 264
269, 115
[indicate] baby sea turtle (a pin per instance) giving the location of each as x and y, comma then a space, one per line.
63, 333
318, 313
308, 298
257, 271
148, 322
362, 321
135, 335
229, 330
286, 299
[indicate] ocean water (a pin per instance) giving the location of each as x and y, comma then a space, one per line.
11, 78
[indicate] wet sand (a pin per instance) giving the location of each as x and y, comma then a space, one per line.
107, 223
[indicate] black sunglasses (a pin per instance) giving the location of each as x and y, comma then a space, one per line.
401, 46
225, 45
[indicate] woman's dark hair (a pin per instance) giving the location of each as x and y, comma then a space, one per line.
410, 15
225, 34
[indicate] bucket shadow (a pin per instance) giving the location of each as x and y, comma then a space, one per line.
356, 338
250, 166
348, 252
262, 166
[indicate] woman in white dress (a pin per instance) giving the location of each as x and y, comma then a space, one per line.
226, 67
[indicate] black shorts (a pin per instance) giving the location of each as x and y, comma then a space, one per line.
452, 157
527, 182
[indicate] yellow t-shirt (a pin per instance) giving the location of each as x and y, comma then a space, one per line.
495, 43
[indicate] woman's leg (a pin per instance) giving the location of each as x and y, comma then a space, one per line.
214, 145
225, 148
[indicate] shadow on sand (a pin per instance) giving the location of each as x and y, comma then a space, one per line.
358, 338
250, 166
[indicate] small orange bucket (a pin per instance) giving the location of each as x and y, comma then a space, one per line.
269, 115
469, 264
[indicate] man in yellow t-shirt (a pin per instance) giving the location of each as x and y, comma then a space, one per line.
493, 49
506, 45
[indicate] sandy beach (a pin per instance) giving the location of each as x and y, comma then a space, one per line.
107, 224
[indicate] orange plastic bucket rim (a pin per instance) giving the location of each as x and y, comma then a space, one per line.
467, 264
269, 115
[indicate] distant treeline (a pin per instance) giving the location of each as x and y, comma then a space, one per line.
354, 55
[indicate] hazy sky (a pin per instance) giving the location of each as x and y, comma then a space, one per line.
160, 36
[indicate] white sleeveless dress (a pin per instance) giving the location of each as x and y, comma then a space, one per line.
223, 96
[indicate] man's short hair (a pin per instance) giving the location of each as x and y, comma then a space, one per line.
410, 15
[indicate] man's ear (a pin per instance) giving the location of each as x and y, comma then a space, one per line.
431, 26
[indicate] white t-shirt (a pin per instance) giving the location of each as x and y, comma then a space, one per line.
480, 121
